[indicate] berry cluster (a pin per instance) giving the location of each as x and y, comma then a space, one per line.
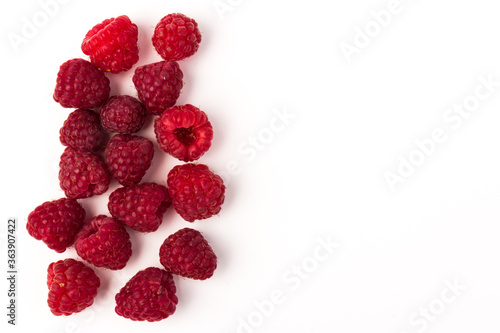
101, 145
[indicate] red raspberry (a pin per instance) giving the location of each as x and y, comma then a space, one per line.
104, 243
123, 114
196, 191
184, 132
148, 295
72, 286
56, 223
82, 174
80, 84
188, 254
158, 85
82, 129
176, 37
140, 207
128, 157
112, 44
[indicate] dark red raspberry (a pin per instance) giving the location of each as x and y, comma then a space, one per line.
158, 85
128, 157
80, 84
123, 114
82, 174
72, 286
176, 37
56, 223
112, 44
148, 295
140, 207
188, 254
82, 130
104, 243
197, 192
184, 132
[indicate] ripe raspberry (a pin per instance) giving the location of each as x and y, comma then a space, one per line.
82, 129
82, 174
188, 254
80, 84
184, 132
104, 243
123, 114
56, 223
140, 207
176, 37
196, 191
158, 85
72, 286
148, 295
112, 44
128, 157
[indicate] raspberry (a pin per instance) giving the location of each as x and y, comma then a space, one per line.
128, 157
123, 114
196, 191
72, 286
82, 129
80, 84
104, 243
188, 254
140, 207
82, 174
158, 85
176, 37
112, 44
56, 223
184, 132
148, 295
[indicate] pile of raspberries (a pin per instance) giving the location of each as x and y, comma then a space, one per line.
101, 145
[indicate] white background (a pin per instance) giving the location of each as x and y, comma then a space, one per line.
316, 178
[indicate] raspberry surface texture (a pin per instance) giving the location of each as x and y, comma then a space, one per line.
188, 254
56, 223
140, 207
158, 85
184, 132
112, 44
72, 287
176, 37
80, 84
128, 157
197, 192
82, 130
148, 296
104, 243
123, 114
82, 174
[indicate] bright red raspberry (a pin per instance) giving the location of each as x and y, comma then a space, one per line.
128, 157
72, 286
104, 243
82, 174
140, 207
176, 37
197, 192
82, 129
80, 84
188, 254
148, 295
112, 44
56, 223
158, 85
184, 132
123, 114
